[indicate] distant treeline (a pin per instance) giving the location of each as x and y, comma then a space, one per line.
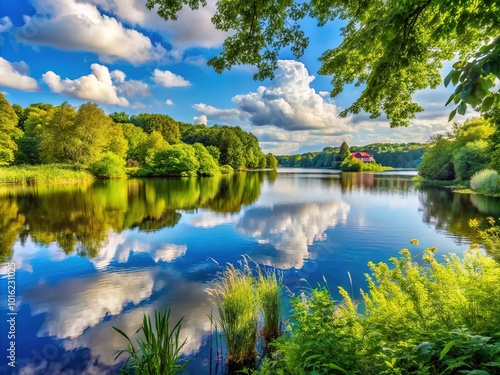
153, 144
396, 155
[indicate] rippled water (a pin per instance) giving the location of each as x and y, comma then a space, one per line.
93, 256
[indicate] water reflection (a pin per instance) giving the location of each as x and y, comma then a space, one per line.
80, 217
291, 229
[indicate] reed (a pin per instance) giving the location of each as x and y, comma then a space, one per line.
157, 349
270, 296
235, 301
42, 174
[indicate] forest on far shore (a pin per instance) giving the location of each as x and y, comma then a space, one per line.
396, 155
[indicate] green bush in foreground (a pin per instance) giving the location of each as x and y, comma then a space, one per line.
109, 165
435, 318
157, 349
486, 181
42, 174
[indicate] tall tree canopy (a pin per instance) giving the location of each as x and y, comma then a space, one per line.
8, 132
392, 47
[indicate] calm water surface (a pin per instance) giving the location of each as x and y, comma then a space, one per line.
92, 256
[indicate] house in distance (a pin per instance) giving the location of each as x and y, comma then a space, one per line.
363, 156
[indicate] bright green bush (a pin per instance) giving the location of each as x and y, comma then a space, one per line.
431, 318
208, 166
486, 181
226, 169
356, 165
176, 160
109, 165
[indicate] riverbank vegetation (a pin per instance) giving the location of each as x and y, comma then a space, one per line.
396, 155
468, 155
43, 174
419, 315
92, 142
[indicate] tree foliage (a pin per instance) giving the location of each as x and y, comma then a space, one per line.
8, 132
392, 48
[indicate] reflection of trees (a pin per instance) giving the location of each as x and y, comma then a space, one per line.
370, 181
451, 212
79, 217
11, 223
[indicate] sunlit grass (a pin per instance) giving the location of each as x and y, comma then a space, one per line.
157, 349
235, 301
270, 297
42, 174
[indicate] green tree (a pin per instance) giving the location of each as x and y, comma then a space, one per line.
147, 149
344, 152
208, 166
117, 143
120, 117
93, 133
215, 152
437, 163
271, 161
58, 142
393, 48
165, 125
9, 133
36, 118
471, 158
135, 137
176, 160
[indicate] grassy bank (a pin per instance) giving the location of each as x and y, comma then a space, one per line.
43, 174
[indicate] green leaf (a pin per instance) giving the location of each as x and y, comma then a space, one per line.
335, 367
462, 108
452, 114
446, 349
447, 79
487, 103
455, 77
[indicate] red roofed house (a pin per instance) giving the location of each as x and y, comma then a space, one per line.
363, 156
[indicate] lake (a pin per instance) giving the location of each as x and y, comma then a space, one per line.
92, 256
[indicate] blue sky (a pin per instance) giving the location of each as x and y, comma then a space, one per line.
126, 58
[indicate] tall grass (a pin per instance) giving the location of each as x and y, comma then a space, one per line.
42, 174
270, 296
157, 349
235, 301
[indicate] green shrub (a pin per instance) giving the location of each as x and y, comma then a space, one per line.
157, 349
226, 169
176, 160
109, 165
486, 181
208, 166
431, 318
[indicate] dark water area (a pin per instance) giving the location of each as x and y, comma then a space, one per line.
96, 255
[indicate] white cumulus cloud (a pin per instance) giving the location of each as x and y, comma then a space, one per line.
15, 75
97, 86
72, 25
200, 119
166, 78
193, 28
225, 114
169, 102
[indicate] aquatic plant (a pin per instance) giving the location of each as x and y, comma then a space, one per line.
157, 349
270, 297
235, 301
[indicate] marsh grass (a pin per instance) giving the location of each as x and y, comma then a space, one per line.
235, 300
42, 174
269, 291
157, 349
